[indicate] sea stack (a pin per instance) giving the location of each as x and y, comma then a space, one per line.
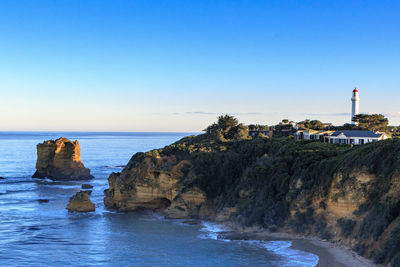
60, 160
80, 202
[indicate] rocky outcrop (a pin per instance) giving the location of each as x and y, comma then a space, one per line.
60, 160
86, 186
80, 202
157, 183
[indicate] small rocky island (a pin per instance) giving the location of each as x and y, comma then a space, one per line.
80, 202
60, 160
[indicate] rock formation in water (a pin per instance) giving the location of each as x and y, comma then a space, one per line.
156, 183
80, 202
86, 186
60, 160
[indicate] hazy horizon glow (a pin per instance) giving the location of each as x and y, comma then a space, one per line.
177, 65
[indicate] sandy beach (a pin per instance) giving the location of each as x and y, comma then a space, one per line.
330, 254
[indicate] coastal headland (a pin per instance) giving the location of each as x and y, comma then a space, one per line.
349, 196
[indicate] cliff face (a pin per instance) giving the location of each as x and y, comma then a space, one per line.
339, 193
60, 160
157, 183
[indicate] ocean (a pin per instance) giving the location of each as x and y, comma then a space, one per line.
34, 233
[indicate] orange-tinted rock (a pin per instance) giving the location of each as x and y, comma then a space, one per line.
164, 184
60, 160
80, 202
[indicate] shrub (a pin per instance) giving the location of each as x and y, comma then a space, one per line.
302, 221
346, 226
392, 246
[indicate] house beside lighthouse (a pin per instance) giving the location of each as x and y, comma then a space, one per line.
345, 137
355, 105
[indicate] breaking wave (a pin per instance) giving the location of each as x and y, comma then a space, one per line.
293, 257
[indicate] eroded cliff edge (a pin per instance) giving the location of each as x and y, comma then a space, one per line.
161, 183
60, 160
339, 193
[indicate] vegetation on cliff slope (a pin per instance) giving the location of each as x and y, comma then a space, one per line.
280, 183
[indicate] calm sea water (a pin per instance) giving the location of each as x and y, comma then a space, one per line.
45, 234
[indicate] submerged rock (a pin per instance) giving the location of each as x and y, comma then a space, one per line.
43, 200
80, 202
2, 178
60, 160
87, 186
192, 222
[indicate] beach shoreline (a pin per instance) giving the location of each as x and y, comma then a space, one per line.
330, 254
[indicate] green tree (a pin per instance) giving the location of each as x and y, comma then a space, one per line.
239, 132
311, 124
258, 127
374, 122
227, 128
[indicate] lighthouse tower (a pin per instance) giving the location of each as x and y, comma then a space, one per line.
355, 103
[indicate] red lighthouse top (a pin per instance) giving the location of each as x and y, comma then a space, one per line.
355, 90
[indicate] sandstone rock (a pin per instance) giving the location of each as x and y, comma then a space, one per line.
87, 186
225, 214
80, 202
158, 183
60, 160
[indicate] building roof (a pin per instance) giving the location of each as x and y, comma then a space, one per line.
326, 132
315, 131
355, 90
350, 133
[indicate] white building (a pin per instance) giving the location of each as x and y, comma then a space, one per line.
311, 134
354, 137
355, 105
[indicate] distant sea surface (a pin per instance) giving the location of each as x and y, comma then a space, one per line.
45, 234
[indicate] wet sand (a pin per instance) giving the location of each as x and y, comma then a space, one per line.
330, 254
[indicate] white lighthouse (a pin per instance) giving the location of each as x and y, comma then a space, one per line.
355, 101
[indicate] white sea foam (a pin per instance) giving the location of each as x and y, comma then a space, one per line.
157, 216
211, 230
294, 258
115, 167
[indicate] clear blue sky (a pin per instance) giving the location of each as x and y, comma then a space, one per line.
175, 65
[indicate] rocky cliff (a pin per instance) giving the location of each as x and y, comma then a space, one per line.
349, 195
60, 160
158, 183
